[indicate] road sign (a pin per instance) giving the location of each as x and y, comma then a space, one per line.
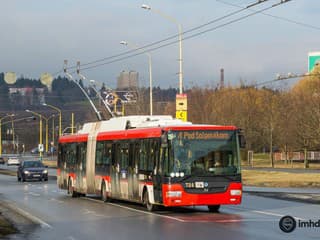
181, 115
181, 102
181, 107
40, 147
313, 59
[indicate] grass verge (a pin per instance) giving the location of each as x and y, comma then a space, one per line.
6, 227
8, 172
280, 179
262, 160
50, 163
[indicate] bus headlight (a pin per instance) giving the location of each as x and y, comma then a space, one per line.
235, 192
173, 194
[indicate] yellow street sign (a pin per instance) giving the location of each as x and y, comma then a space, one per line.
181, 102
181, 115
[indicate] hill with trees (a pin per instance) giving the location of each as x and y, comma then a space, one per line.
277, 119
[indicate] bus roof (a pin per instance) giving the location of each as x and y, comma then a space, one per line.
73, 138
129, 127
200, 127
156, 131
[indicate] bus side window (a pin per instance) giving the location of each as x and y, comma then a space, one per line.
154, 154
164, 161
107, 153
83, 155
143, 154
99, 149
124, 156
136, 157
60, 155
115, 153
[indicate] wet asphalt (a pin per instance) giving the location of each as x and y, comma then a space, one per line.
61, 217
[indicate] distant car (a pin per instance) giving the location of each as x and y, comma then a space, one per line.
2, 160
32, 169
13, 161
34, 150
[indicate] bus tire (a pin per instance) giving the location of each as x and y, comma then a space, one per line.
150, 207
104, 194
71, 190
214, 208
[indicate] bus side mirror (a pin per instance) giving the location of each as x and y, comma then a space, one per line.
242, 141
164, 140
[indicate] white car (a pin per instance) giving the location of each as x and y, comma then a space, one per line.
13, 161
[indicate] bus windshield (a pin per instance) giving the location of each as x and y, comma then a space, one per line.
204, 152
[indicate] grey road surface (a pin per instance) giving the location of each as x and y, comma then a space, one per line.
63, 217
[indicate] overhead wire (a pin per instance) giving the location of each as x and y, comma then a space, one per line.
170, 37
286, 78
274, 16
184, 38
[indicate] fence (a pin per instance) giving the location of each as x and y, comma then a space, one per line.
296, 156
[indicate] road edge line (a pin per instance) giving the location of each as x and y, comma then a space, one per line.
28, 215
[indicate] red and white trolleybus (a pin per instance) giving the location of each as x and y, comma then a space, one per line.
153, 160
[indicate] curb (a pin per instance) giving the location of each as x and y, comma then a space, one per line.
25, 214
296, 197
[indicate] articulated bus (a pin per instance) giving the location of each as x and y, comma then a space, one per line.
153, 160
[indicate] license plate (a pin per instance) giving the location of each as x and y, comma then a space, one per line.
36, 175
199, 184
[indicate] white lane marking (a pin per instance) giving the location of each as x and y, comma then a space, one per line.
34, 194
87, 211
26, 214
136, 210
56, 200
274, 214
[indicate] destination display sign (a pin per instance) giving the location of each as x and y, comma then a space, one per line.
203, 135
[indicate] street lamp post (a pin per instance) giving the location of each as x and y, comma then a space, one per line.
47, 130
40, 129
12, 127
60, 116
11, 115
150, 72
52, 134
171, 19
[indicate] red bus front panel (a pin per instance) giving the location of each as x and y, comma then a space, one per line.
175, 195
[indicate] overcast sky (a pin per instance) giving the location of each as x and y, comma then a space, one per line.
37, 35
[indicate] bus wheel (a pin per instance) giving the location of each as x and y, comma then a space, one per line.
70, 189
213, 208
151, 207
104, 194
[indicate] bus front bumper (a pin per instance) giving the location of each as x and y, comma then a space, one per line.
175, 195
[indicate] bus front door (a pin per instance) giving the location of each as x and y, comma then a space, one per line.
133, 180
80, 168
115, 171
